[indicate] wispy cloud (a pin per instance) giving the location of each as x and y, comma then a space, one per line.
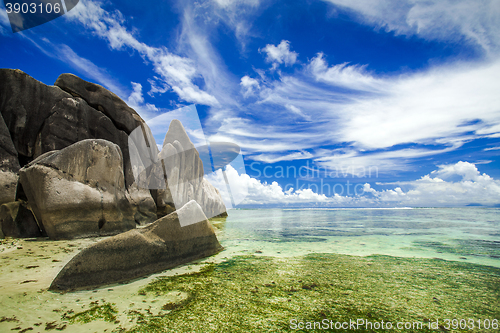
175, 72
272, 158
451, 20
136, 101
440, 108
238, 15
344, 75
4, 22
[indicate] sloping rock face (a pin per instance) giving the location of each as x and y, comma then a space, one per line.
184, 170
159, 246
124, 117
79, 191
25, 103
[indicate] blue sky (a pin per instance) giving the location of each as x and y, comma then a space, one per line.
377, 103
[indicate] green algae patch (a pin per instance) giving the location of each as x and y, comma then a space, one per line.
466, 247
106, 312
256, 293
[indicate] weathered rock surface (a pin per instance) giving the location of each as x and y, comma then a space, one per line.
159, 246
73, 120
9, 165
79, 191
60, 150
41, 118
17, 221
184, 171
25, 103
124, 117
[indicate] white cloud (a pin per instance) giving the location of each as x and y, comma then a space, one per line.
5, 28
230, 3
263, 193
427, 106
136, 101
360, 164
297, 111
280, 54
443, 106
261, 138
238, 15
249, 86
82, 65
472, 187
352, 77
175, 71
475, 21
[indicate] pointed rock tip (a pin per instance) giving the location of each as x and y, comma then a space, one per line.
190, 213
177, 132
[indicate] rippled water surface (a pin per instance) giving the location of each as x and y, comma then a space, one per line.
464, 234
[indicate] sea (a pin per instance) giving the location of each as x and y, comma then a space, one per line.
27, 267
470, 234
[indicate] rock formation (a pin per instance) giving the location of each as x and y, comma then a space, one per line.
17, 221
79, 191
135, 253
177, 175
70, 144
124, 117
9, 165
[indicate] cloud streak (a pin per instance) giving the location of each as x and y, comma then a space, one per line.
477, 22
175, 72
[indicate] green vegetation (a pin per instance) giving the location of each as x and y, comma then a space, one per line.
255, 294
104, 312
466, 247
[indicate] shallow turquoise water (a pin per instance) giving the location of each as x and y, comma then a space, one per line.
462, 234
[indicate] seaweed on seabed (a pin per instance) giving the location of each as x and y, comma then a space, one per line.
257, 293
105, 312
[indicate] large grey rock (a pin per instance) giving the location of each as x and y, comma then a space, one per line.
25, 103
124, 117
184, 171
17, 221
73, 120
9, 165
79, 191
161, 245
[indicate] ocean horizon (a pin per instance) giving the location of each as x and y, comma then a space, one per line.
465, 234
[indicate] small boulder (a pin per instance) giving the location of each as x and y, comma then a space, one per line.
17, 221
163, 244
79, 191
